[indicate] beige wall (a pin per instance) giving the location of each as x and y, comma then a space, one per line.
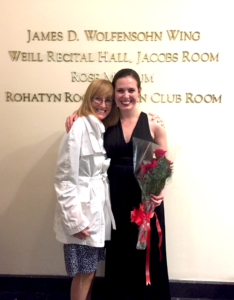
199, 200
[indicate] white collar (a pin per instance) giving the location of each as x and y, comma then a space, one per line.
95, 130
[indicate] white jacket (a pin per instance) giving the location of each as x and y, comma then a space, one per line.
82, 186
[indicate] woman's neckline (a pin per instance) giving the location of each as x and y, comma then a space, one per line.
132, 131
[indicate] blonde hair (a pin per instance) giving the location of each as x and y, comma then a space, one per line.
99, 88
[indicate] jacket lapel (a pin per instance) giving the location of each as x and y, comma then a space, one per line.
95, 131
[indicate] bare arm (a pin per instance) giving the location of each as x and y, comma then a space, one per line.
160, 138
70, 120
158, 133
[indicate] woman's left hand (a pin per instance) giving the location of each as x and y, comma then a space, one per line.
157, 118
157, 200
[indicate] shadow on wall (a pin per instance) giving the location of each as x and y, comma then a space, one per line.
27, 239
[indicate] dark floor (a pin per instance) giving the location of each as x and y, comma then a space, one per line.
54, 296
32, 287
33, 296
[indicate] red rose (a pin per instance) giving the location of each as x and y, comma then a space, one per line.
154, 161
148, 167
143, 170
159, 153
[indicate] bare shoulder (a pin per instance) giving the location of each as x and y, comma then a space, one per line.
159, 133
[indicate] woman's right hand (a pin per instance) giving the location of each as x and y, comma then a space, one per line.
70, 120
157, 200
83, 234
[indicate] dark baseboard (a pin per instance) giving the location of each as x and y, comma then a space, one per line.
202, 289
61, 284
33, 283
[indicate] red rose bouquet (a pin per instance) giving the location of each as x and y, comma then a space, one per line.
152, 177
152, 169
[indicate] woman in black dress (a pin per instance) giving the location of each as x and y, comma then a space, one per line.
125, 265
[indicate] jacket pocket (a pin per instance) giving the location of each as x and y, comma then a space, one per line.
96, 215
83, 190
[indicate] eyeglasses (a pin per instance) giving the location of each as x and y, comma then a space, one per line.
108, 102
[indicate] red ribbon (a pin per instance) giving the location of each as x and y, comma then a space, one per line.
139, 216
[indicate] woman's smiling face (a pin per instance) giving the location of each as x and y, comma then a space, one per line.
101, 106
126, 93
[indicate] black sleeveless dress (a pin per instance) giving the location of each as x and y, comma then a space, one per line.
125, 265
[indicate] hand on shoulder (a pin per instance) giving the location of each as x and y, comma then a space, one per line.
157, 118
155, 126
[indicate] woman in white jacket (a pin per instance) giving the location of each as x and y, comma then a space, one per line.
83, 213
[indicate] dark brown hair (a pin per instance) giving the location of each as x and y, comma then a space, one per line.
125, 73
